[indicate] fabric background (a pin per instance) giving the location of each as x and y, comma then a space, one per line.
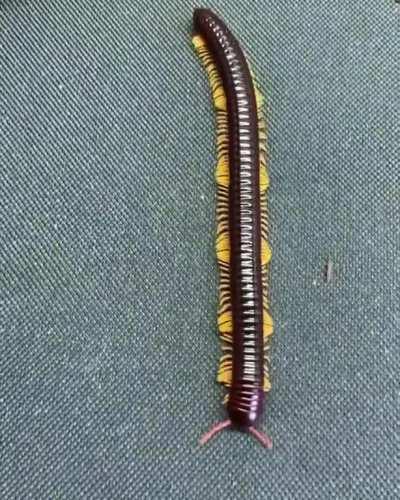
108, 276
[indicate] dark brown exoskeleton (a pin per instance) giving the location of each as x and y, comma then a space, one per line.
246, 394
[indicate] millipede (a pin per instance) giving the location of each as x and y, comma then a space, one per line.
244, 323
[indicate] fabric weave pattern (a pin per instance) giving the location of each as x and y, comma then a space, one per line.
109, 346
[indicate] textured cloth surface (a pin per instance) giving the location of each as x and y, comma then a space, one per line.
108, 276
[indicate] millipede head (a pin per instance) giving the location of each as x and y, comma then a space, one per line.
245, 405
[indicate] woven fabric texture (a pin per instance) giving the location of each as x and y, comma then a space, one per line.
108, 276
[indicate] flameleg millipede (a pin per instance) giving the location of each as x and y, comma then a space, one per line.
244, 323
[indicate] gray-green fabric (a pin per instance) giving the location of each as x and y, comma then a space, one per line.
108, 276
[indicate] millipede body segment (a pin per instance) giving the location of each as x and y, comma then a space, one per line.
244, 323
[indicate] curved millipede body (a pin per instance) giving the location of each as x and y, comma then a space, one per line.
244, 323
